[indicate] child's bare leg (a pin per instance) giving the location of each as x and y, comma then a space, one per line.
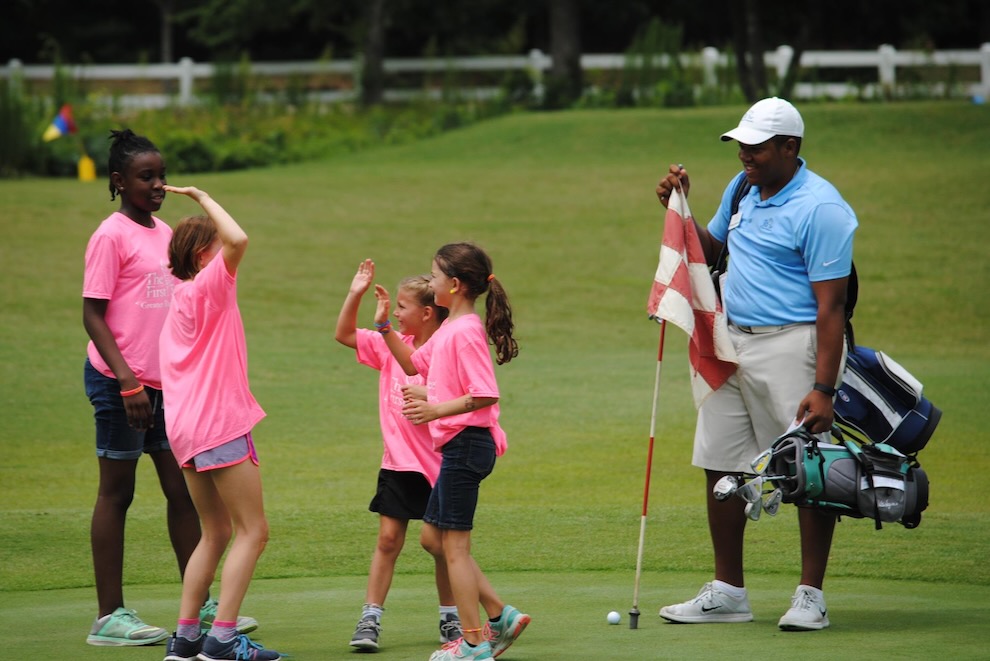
183, 520
464, 580
239, 487
216, 532
486, 594
432, 540
391, 538
114, 496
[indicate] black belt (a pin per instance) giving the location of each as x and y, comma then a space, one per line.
760, 330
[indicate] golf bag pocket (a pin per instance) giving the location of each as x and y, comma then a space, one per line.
881, 402
884, 495
892, 487
870, 481
882, 489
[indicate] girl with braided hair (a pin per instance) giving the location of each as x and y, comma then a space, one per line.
127, 288
127, 292
461, 408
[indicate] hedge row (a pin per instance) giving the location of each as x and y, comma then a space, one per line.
215, 138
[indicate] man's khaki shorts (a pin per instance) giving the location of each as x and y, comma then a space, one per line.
758, 403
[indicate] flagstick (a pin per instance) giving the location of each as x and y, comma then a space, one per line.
634, 611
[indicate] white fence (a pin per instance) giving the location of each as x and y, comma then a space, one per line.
948, 73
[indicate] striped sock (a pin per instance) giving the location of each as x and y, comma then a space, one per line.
372, 610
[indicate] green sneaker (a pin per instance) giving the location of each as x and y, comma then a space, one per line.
123, 627
503, 633
208, 613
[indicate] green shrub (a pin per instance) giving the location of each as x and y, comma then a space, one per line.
188, 152
216, 136
15, 130
517, 87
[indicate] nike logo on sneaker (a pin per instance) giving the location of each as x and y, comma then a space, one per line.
830, 262
706, 609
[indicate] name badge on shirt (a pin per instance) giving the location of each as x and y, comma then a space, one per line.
735, 220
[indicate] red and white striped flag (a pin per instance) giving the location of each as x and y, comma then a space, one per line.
684, 295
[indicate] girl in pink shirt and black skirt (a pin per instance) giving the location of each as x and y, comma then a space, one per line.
461, 408
409, 465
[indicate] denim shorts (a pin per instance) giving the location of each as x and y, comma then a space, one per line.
468, 458
115, 439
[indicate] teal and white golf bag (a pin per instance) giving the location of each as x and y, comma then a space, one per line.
872, 480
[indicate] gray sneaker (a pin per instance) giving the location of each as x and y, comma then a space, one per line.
711, 605
450, 628
124, 628
366, 634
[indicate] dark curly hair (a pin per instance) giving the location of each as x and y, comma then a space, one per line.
124, 146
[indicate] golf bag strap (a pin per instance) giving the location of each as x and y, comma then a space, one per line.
740, 191
852, 295
812, 450
867, 465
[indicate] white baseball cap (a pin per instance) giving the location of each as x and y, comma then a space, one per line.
764, 120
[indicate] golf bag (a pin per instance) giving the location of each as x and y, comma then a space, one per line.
881, 402
873, 480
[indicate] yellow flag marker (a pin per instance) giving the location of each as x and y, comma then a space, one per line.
86, 168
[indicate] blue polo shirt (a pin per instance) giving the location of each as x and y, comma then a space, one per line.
803, 234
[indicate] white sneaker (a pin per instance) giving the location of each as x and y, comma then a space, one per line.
807, 612
711, 605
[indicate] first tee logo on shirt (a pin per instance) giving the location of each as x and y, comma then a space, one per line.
158, 287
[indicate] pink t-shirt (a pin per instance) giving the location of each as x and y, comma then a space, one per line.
204, 365
408, 447
456, 361
127, 266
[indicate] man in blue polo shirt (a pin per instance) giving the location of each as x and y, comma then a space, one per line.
790, 247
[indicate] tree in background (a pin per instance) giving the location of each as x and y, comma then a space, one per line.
230, 31
750, 46
373, 62
564, 85
166, 34
747, 38
106, 32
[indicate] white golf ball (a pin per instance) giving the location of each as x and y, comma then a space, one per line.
614, 617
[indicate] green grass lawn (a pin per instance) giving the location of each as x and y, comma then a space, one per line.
564, 203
